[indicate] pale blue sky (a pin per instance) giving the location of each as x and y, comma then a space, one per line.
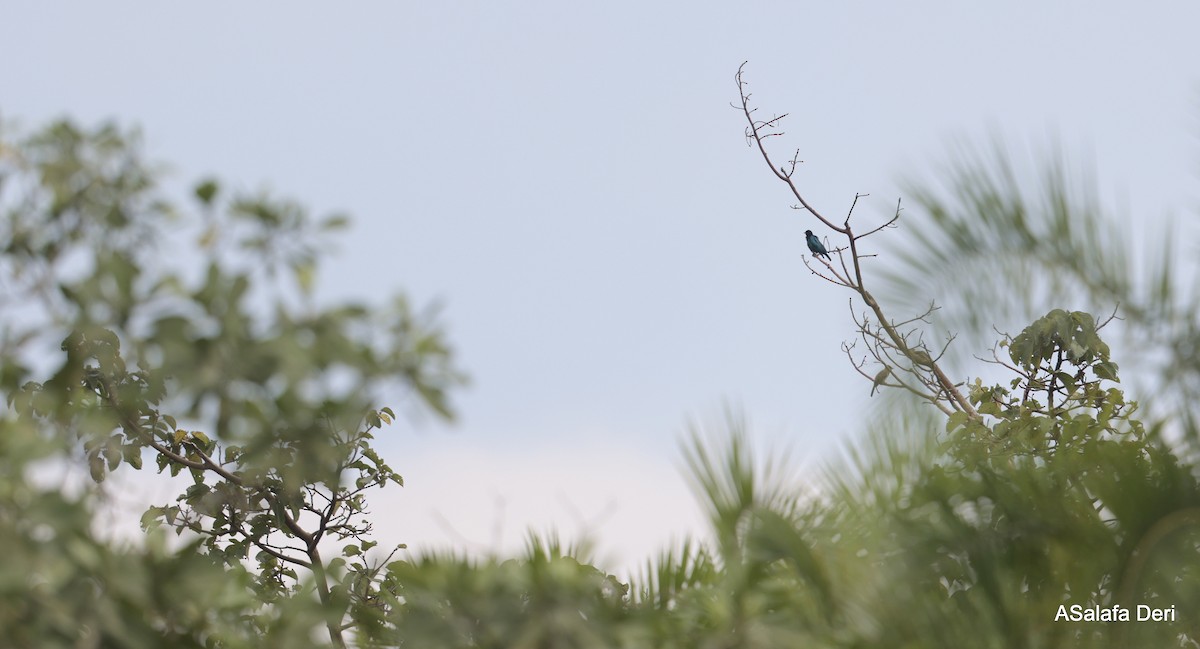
571, 181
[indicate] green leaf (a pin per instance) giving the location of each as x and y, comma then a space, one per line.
1106, 370
133, 455
305, 273
112, 453
152, 519
96, 466
335, 222
206, 191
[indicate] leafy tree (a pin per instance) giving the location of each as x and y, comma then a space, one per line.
201, 360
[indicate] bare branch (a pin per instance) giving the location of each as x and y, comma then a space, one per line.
852, 205
920, 361
757, 138
890, 223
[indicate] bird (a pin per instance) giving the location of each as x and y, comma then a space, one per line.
880, 378
815, 245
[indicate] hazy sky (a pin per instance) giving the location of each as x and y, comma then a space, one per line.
571, 182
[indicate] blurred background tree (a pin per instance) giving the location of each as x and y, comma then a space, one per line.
189, 338
1000, 237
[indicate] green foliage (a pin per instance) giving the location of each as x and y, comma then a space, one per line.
544, 600
195, 357
997, 241
61, 587
1058, 398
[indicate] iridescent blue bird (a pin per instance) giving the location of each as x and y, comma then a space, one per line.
815, 245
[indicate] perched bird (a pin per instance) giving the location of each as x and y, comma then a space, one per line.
815, 245
880, 378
